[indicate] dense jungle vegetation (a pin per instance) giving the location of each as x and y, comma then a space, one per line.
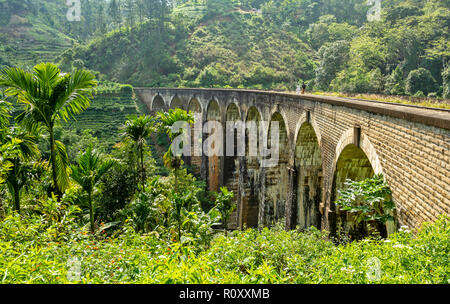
260, 44
116, 215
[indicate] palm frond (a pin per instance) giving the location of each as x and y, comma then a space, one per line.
47, 74
72, 94
108, 164
62, 166
5, 113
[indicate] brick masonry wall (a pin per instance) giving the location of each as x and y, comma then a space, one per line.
409, 145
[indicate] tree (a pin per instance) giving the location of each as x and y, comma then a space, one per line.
6, 149
166, 123
17, 177
446, 80
137, 129
332, 58
49, 95
101, 23
114, 12
88, 173
130, 9
395, 84
224, 204
5, 114
420, 80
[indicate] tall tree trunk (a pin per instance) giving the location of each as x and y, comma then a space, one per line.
91, 211
16, 198
16, 188
142, 168
53, 162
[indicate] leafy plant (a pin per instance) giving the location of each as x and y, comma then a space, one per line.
88, 173
369, 201
224, 203
49, 95
138, 129
21, 169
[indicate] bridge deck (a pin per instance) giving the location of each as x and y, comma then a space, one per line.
437, 117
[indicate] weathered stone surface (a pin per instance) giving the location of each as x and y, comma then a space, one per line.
326, 139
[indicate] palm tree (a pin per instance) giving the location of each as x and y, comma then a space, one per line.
50, 95
166, 120
138, 129
20, 171
88, 173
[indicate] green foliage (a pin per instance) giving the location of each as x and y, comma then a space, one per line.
119, 184
420, 80
332, 58
224, 203
88, 173
38, 254
257, 44
160, 224
169, 123
22, 149
395, 84
137, 129
369, 201
5, 115
446, 79
48, 95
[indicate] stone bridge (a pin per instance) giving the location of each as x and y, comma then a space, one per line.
323, 141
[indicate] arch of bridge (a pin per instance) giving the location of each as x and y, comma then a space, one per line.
409, 146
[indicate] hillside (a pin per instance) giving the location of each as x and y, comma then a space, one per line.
259, 44
237, 49
30, 32
274, 45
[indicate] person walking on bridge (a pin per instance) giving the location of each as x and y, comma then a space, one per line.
303, 87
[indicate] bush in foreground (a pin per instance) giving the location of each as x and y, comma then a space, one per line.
35, 252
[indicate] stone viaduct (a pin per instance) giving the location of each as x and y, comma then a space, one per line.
323, 141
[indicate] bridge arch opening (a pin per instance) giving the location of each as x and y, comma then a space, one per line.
353, 164
251, 171
231, 162
195, 161
176, 103
277, 179
158, 104
213, 114
309, 178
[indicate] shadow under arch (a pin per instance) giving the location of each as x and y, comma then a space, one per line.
195, 160
158, 104
276, 175
308, 181
251, 174
213, 113
176, 103
231, 165
231, 170
356, 163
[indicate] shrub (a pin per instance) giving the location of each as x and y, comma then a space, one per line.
126, 89
369, 201
420, 80
446, 82
31, 254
